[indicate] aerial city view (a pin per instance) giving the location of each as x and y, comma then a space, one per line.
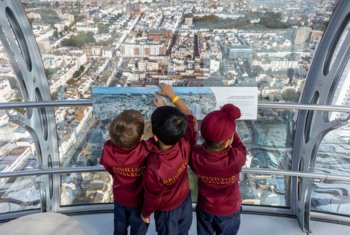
267, 44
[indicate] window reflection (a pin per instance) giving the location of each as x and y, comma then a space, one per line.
17, 194
331, 197
341, 94
269, 139
17, 149
267, 190
332, 158
86, 188
339, 44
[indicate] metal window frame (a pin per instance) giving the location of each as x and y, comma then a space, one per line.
89, 102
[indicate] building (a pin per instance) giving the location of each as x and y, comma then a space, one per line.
315, 35
156, 35
143, 50
302, 35
189, 21
238, 52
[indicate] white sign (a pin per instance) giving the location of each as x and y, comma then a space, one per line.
245, 98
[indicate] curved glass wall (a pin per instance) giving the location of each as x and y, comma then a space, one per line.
263, 43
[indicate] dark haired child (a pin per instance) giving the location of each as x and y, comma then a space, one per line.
217, 163
166, 185
124, 157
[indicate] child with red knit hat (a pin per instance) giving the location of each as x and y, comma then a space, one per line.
217, 163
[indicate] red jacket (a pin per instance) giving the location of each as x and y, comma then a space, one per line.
126, 167
218, 175
166, 179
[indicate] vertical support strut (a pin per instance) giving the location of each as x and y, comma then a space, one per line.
18, 40
324, 77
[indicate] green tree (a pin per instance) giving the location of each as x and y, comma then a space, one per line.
55, 34
114, 34
79, 41
81, 68
290, 95
76, 74
54, 95
290, 74
49, 16
71, 81
102, 28
77, 4
49, 73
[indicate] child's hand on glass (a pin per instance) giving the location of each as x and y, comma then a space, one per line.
158, 101
167, 91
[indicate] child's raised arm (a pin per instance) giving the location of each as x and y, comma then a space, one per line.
167, 91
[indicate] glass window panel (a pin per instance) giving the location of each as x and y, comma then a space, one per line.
193, 184
8, 83
86, 188
17, 194
17, 149
341, 94
266, 190
339, 44
80, 136
261, 43
331, 196
269, 139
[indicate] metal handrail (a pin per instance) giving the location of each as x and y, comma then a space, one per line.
68, 170
89, 102
45, 104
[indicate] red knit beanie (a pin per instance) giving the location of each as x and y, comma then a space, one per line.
220, 125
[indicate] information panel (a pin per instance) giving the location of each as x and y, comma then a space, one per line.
109, 101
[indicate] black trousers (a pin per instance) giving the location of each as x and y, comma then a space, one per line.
125, 217
177, 221
208, 224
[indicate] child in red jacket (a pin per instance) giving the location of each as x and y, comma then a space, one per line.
217, 163
166, 185
124, 157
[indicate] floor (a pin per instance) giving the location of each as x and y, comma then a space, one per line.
95, 224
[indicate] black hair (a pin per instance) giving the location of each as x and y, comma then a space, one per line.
168, 124
214, 146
